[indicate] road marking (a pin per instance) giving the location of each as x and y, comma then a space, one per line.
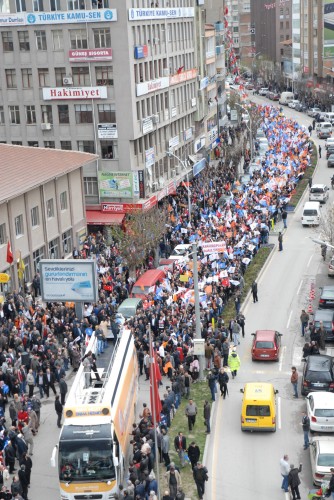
309, 261
289, 319
297, 356
279, 419
216, 447
281, 360
300, 285
287, 496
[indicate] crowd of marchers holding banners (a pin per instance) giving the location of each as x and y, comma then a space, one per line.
222, 210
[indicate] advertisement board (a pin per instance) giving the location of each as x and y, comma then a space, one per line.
66, 93
147, 125
72, 280
328, 31
107, 131
90, 55
213, 247
169, 13
144, 88
141, 51
141, 183
126, 208
115, 184
149, 157
59, 17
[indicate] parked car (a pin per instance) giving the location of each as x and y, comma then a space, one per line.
326, 300
326, 317
318, 374
329, 150
329, 142
322, 458
300, 107
320, 410
318, 192
266, 345
330, 160
249, 86
324, 134
292, 104
331, 267
313, 111
263, 91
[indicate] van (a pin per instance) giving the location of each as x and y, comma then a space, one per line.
311, 213
318, 192
258, 410
329, 117
147, 283
323, 126
128, 308
286, 97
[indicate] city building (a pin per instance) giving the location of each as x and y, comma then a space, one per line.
42, 209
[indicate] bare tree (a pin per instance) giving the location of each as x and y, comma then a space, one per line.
326, 226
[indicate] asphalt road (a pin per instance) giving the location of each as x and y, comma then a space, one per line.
246, 465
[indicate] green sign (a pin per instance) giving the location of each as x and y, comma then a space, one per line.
116, 184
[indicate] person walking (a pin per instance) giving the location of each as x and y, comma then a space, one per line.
165, 445
223, 379
319, 149
306, 429
49, 381
10, 457
241, 321
330, 488
284, 217
23, 481
31, 383
59, 410
193, 453
27, 462
280, 242
200, 474
207, 415
180, 445
310, 128
285, 469
294, 381
211, 378
304, 319
236, 329
28, 437
294, 481
62, 389
174, 481
254, 292
310, 182
191, 412
234, 362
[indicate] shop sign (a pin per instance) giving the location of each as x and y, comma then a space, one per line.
187, 134
147, 125
141, 183
146, 14
115, 184
149, 157
141, 51
90, 55
107, 131
198, 167
59, 17
144, 88
66, 93
184, 76
173, 142
204, 83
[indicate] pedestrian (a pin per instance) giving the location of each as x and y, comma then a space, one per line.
10, 457
280, 242
49, 381
33, 421
193, 453
294, 481
59, 410
313, 124
36, 406
285, 469
15, 487
310, 182
180, 445
211, 378
236, 329
207, 416
27, 462
241, 321
310, 128
40, 383
330, 488
23, 481
319, 149
165, 445
62, 389
306, 429
200, 474
223, 379
191, 412
31, 383
225, 351
28, 437
174, 482
284, 217
147, 365
234, 362
294, 381
304, 319
254, 292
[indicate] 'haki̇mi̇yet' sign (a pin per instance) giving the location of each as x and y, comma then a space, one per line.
53, 93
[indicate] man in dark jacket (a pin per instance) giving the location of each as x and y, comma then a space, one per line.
330, 489
193, 454
207, 416
200, 474
294, 481
62, 389
59, 410
27, 462
10, 457
24, 481
223, 381
180, 444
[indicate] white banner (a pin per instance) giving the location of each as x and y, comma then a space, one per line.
213, 247
144, 14
152, 86
60, 17
62, 93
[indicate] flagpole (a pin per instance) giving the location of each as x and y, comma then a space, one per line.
153, 392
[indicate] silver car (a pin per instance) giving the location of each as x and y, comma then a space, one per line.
320, 410
322, 458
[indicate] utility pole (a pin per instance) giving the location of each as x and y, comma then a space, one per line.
197, 311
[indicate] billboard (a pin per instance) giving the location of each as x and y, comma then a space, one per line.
328, 41
116, 184
68, 280
59, 17
80, 55
62, 93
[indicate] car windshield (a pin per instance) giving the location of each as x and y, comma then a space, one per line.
326, 460
327, 324
258, 411
318, 376
328, 294
331, 157
262, 344
317, 190
310, 211
86, 460
324, 412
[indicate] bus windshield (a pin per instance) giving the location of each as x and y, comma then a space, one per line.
86, 461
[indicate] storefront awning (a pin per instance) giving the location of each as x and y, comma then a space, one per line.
103, 218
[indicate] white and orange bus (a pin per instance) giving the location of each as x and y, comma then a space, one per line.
94, 440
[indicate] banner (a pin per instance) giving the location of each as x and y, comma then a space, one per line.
115, 184
59, 17
213, 247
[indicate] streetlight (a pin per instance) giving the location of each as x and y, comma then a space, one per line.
198, 332
249, 128
254, 60
169, 153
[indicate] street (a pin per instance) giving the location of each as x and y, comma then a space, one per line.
246, 465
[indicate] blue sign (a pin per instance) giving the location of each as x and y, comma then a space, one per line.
198, 167
141, 51
72, 16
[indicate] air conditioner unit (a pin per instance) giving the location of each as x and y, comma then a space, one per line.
155, 119
46, 126
166, 71
177, 170
173, 172
155, 186
68, 80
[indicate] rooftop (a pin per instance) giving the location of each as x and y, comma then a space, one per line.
23, 168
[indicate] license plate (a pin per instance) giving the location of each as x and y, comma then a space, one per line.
251, 420
264, 355
318, 384
326, 427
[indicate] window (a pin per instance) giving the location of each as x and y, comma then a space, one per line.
66, 145
83, 113
100, 4
3, 234
86, 146
4, 7
7, 41
50, 212
60, 73
38, 5
43, 77
57, 40
34, 216
54, 249
18, 222
33, 144
54, 5
11, 78
102, 38
2, 116
67, 241
49, 144
41, 40
78, 39
63, 200
24, 41
81, 76
21, 6
27, 82
30, 115
91, 186
106, 113
36, 257
109, 149
63, 113
76, 4
17, 143
104, 75
14, 115
27, 273
46, 110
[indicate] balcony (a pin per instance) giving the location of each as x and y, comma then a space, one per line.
220, 49
219, 26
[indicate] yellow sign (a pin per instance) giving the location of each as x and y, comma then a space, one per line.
4, 278
184, 277
2, 299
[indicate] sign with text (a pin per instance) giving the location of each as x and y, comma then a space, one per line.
59, 17
90, 55
115, 184
149, 157
141, 184
126, 208
169, 13
213, 247
107, 131
183, 76
66, 93
144, 88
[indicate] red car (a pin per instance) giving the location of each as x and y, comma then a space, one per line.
266, 345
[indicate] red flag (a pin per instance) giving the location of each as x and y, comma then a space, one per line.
10, 257
155, 377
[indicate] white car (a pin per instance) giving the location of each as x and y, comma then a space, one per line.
318, 192
264, 91
313, 111
320, 410
329, 142
292, 104
322, 458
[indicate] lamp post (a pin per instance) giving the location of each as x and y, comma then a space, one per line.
197, 309
255, 56
249, 128
169, 153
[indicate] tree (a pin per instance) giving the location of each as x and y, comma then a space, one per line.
143, 231
326, 226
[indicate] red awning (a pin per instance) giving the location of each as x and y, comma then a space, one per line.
103, 218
